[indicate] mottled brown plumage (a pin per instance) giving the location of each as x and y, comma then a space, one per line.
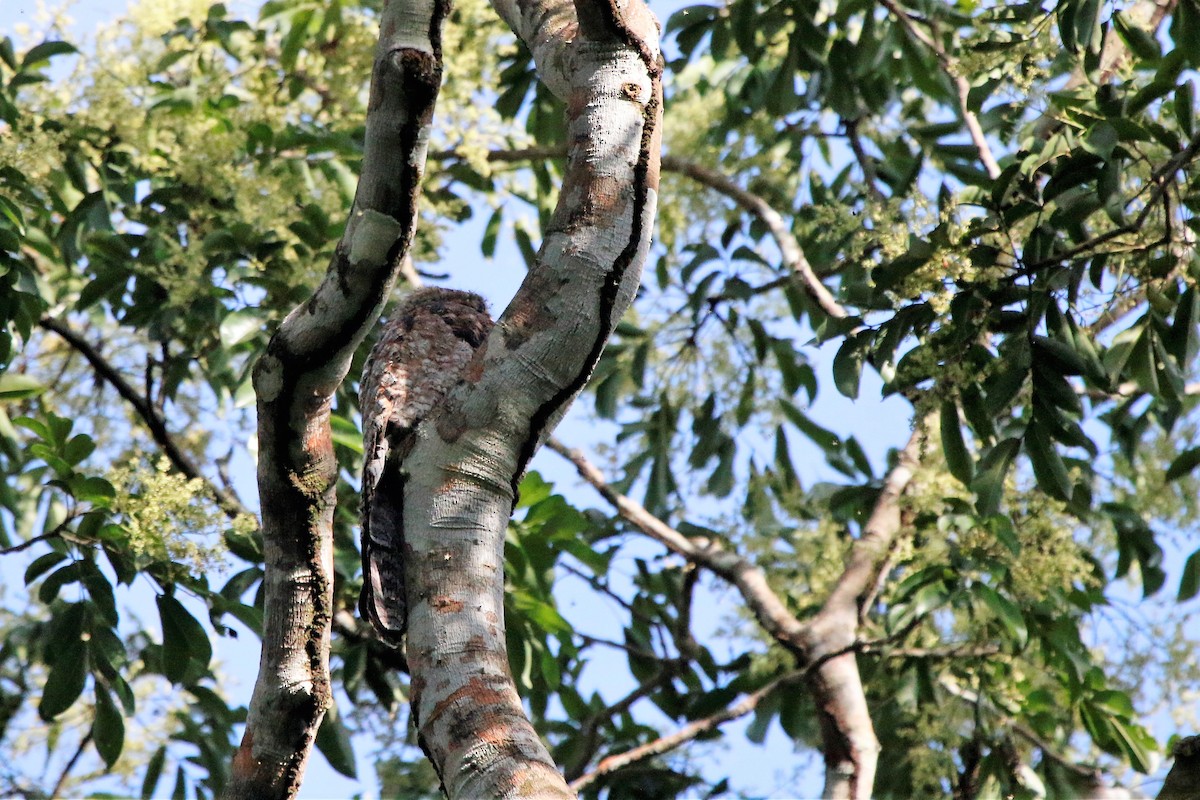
421, 354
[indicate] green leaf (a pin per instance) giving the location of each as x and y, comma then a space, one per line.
491, 233
239, 326
1189, 583
100, 591
92, 489
49, 589
1001, 527
77, 448
184, 639
1185, 29
927, 598
756, 731
1006, 611
333, 740
1134, 743
1183, 464
1088, 34
41, 565
825, 439
180, 790
1141, 42
958, 458
1185, 108
108, 729
1048, 466
1059, 355
988, 485
44, 52
15, 386
1115, 702
154, 770
1141, 365
847, 367
7, 54
346, 433
1100, 139
66, 679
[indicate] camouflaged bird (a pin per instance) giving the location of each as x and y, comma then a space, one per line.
422, 352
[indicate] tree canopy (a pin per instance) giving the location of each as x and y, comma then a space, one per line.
984, 211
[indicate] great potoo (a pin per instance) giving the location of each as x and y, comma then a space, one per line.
422, 352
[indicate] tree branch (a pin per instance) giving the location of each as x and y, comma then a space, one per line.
146, 412
687, 733
961, 85
789, 247
295, 379
749, 580
828, 640
792, 253
850, 747
61, 783
25, 545
601, 57
590, 733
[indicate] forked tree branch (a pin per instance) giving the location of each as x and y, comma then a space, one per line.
824, 645
460, 477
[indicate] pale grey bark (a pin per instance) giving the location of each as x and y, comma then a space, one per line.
460, 477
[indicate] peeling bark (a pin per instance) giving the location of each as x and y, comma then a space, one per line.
295, 379
461, 476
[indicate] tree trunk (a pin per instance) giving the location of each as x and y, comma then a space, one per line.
295, 380
462, 473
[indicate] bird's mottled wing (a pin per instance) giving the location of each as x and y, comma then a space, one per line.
421, 354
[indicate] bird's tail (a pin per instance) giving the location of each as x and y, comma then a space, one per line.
382, 600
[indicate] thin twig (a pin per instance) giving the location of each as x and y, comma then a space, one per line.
153, 421
962, 86
1159, 182
932, 653
60, 531
686, 733
590, 734
25, 545
764, 603
789, 247
870, 178
62, 778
